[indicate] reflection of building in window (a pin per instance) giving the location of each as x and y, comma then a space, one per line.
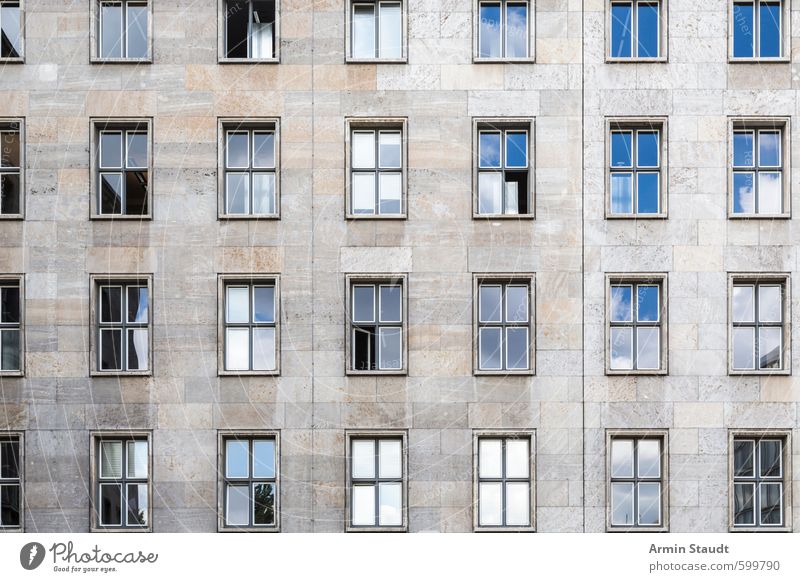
758, 481
757, 325
250, 485
503, 325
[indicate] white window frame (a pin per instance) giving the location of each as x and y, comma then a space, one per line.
349, 7
663, 32
16, 124
476, 16
786, 36
21, 58
96, 32
222, 38
16, 280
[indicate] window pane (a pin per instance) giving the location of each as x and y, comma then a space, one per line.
491, 503
237, 193
621, 303
9, 340
743, 304
648, 304
647, 149
391, 503
363, 458
391, 186
363, 505
263, 504
743, 504
263, 193
238, 505
622, 503
743, 348
770, 458
237, 455
389, 149
518, 504
769, 148
649, 503
621, 149
490, 192
621, 35
489, 149
489, 342
237, 349
649, 458
363, 193
489, 32
517, 348
769, 303
110, 460
770, 193
516, 192
364, 303
622, 458
11, 47
364, 348
621, 193
264, 349
9, 460
237, 304
238, 149
263, 304
9, 194
517, 303
137, 304
771, 494
391, 342
363, 31
516, 30
111, 504
137, 460
363, 149
263, 149
390, 303
264, 458
518, 459
743, 27
261, 34
769, 37
491, 297
744, 196
110, 31
110, 193
516, 150
137, 32
9, 149
137, 504
9, 304
769, 347
135, 192
490, 458
647, 30
237, 16
111, 349
111, 149
647, 348
647, 198
9, 505
391, 31
743, 458
743, 148
390, 463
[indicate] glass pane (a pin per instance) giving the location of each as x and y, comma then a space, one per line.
9, 149
363, 505
517, 303
391, 186
621, 34
491, 297
390, 460
264, 459
9, 505
363, 149
238, 150
516, 30
490, 39
237, 304
490, 503
648, 348
136, 192
743, 304
389, 149
390, 303
237, 349
363, 193
264, 193
649, 458
489, 150
648, 304
9, 343
517, 150
11, 47
743, 458
490, 193
137, 304
363, 458
518, 458
110, 31
769, 148
9, 304
9, 459
237, 193
771, 502
137, 32
263, 149
111, 504
622, 458
490, 458
137, 460
621, 303
647, 30
110, 193
516, 192
622, 503
364, 348
769, 303
391, 346
517, 348
9, 194
647, 153
743, 148
621, 149
237, 458
363, 303
744, 196
263, 304
743, 513
489, 343
261, 28
263, 504
647, 198
770, 458
769, 37
111, 149
769, 347
264, 348
364, 31
238, 505
743, 348
391, 503
237, 17
770, 193
518, 504
649, 503
743, 27
111, 349
391, 31
137, 504
621, 193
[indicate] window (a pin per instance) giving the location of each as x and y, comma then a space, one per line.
122, 163
11, 495
637, 324
122, 317
11, 168
376, 168
250, 494
637, 30
636, 169
758, 183
504, 168
11, 31
377, 483
377, 30
759, 29
122, 481
376, 312
11, 326
636, 468
760, 486
123, 30
504, 30
250, 30
504, 481
250, 321
504, 328
759, 336
248, 164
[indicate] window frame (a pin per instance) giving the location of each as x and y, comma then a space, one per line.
636, 435
19, 436
767, 279
96, 34
222, 480
479, 434
377, 125
636, 125
663, 32
375, 435
785, 436
16, 124
349, 7
223, 59
15, 280
125, 436
21, 58
786, 36
250, 280
758, 124
476, 19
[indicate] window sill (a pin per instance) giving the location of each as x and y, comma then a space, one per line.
12, 60
376, 373
757, 60
610, 372
271, 61
618, 529
376, 216
12, 374
659, 216
361, 61
245, 529
507, 529
740, 216
268, 373
759, 372
107, 61
634, 60
120, 373
127, 217
377, 529
12, 217
753, 529
249, 216
114, 529
477, 216
503, 61
530, 372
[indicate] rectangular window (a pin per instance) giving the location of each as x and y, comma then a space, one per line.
249, 168
377, 482
250, 30
250, 474
636, 169
250, 325
376, 30
12, 156
758, 182
11, 482
636, 470
759, 333
11, 30
11, 326
504, 30
121, 481
123, 30
504, 481
759, 488
504, 324
636, 324
376, 313
122, 319
758, 29
637, 29
504, 163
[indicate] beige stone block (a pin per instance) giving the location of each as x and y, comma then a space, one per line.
472, 77
698, 414
121, 103
248, 259
375, 260
133, 260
